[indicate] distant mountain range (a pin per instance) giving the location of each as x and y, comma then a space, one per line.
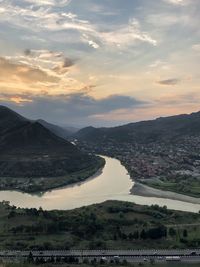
161, 129
58, 130
36, 149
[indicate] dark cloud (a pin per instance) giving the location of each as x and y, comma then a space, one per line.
65, 66
27, 52
173, 81
68, 63
78, 108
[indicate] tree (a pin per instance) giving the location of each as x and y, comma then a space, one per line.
85, 261
185, 233
152, 261
157, 232
30, 257
143, 234
136, 235
172, 232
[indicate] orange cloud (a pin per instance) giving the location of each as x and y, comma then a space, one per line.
20, 100
25, 73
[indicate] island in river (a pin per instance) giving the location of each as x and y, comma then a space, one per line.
33, 158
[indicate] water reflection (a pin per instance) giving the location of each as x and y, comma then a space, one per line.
112, 183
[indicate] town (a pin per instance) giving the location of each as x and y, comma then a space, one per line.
168, 165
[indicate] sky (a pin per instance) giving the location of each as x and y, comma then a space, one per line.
99, 62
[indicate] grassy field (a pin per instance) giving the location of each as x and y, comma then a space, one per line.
113, 224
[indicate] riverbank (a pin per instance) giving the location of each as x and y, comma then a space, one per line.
147, 191
43, 184
111, 183
187, 185
154, 188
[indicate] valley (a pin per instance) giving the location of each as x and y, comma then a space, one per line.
99, 133
162, 153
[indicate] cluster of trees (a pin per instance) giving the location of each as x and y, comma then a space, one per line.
151, 233
74, 260
82, 225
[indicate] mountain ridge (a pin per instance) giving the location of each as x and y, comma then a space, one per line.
30, 150
58, 130
145, 131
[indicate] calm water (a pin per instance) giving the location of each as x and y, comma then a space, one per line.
112, 183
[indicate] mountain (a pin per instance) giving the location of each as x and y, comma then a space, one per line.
9, 120
29, 149
161, 129
71, 129
57, 130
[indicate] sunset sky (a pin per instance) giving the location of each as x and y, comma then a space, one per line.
100, 62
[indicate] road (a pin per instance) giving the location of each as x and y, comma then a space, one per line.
187, 255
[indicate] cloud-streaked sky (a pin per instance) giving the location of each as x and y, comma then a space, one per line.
91, 62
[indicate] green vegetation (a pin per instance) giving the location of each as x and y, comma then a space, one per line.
186, 185
113, 224
34, 185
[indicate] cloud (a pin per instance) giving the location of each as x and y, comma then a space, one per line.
64, 66
53, 61
33, 39
44, 55
175, 2
40, 19
179, 99
48, 2
68, 63
121, 37
196, 47
173, 81
23, 72
91, 43
38, 71
159, 64
71, 108
45, 19
27, 52
17, 99
127, 35
161, 20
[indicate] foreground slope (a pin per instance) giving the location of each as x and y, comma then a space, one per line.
29, 150
110, 225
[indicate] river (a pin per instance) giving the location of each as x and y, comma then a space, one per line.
112, 183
